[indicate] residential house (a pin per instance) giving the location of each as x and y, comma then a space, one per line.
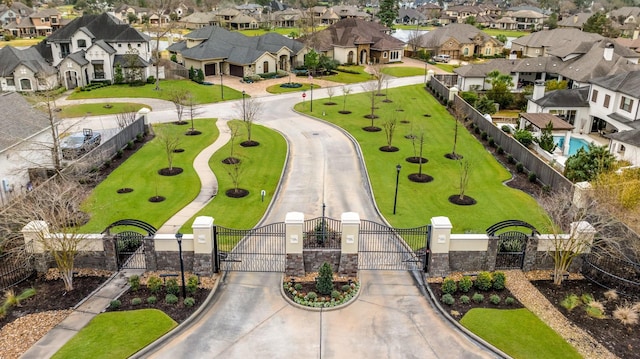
575, 64
632, 44
527, 19
91, 47
317, 11
574, 21
124, 11
243, 22
25, 132
250, 9
356, 41
430, 10
224, 16
460, 13
41, 23
25, 70
460, 41
341, 12
626, 14
214, 50
570, 105
198, 20
410, 17
541, 42
286, 18
13, 12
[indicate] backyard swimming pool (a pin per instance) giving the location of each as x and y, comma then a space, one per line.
574, 144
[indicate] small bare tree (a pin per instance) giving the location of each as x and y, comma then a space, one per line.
53, 213
170, 144
370, 89
465, 173
127, 117
179, 97
234, 133
459, 115
345, 92
235, 174
193, 110
414, 40
379, 76
389, 127
418, 145
249, 110
330, 93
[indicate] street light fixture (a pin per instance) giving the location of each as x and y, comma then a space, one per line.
395, 198
311, 98
221, 87
179, 239
425, 74
244, 115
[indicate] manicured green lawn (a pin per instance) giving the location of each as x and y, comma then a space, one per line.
260, 169
18, 42
445, 67
280, 30
348, 78
519, 333
202, 93
277, 89
418, 202
94, 109
507, 33
403, 71
114, 335
140, 172
413, 27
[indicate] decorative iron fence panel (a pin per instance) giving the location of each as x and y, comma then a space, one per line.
612, 273
259, 249
511, 250
322, 232
14, 269
381, 247
130, 250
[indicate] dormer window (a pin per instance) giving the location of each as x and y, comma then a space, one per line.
82, 43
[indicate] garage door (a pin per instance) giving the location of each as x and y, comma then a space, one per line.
209, 69
236, 70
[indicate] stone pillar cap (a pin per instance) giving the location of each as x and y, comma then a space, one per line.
350, 218
294, 217
202, 222
441, 222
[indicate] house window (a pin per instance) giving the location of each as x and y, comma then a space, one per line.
82, 43
622, 148
10, 81
626, 104
394, 55
119, 45
25, 84
607, 98
384, 55
487, 51
138, 45
465, 52
69, 64
23, 71
594, 96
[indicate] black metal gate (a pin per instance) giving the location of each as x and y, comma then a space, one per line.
260, 249
322, 232
386, 248
130, 250
512, 244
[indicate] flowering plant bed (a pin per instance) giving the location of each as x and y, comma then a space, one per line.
304, 291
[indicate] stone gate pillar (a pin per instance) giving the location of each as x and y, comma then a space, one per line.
439, 247
584, 233
349, 244
430, 74
453, 91
203, 245
294, 223
34, 233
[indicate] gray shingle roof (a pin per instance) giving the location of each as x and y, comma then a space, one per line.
555, 38
22, 122
631, 137
349, 32
627, 83
103, 27
565, 98
232, 46
10, 58
463, 33
79, 58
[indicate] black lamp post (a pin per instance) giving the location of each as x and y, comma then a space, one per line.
311, 98
179, 239
221, 87
244, 115
395, 198
425, 73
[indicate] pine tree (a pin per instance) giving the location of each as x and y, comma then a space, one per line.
325, 279
388, 12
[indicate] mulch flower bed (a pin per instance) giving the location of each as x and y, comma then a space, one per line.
458, 310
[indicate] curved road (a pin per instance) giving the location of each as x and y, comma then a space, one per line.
248, 316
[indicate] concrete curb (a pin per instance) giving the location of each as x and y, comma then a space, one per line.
194, 318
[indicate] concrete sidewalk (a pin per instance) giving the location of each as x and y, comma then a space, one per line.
84, 312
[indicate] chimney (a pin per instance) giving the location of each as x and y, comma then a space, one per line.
538, 90
608, 51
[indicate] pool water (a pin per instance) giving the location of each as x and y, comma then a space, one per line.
574, 144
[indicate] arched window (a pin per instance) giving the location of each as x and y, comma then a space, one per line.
350, 57
25, 84
466, 51
265, 67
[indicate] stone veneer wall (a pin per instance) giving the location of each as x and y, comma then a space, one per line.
150, 254
295, 265
203, 264
348, 265
93, 259
439, 264
314, 258
170, 261
467, 261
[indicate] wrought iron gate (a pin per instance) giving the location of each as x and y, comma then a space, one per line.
260, 249
322, 232
130, 250
512, 244
387, 248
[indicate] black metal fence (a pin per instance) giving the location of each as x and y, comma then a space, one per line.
130, 250
260, 249
381, 247
14, 269
322, 232
613, 273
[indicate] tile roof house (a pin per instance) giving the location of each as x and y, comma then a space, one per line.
459, 41
25, 70
355, 41
214, 49
576, 66
24, 131
539, 43
41, 23
90, 47
574, 21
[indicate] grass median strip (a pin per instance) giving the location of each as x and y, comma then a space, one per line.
98, 109
115, 335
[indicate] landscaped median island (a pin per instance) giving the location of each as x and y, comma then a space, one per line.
412, 120
322, 289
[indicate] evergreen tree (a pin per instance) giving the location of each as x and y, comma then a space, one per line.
585, 165
118, 76
325, 279
388, 12
546, 139
599, 23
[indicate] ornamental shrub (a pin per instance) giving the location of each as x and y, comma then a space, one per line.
154, 284
465, 299
483, 281
448, 299
506, 129
484, 135
325, 279
152, 300
491, 141
509, 301
477, 297
115, 304
335, 294
136, 301
134, 282
532, 177
298, 286
192, 285
465, 284
519, 167
172, 286
449, 286
500, 150
171, 299
311, 296
345, 288
499, 280
571, 302
495, 299
189, 302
